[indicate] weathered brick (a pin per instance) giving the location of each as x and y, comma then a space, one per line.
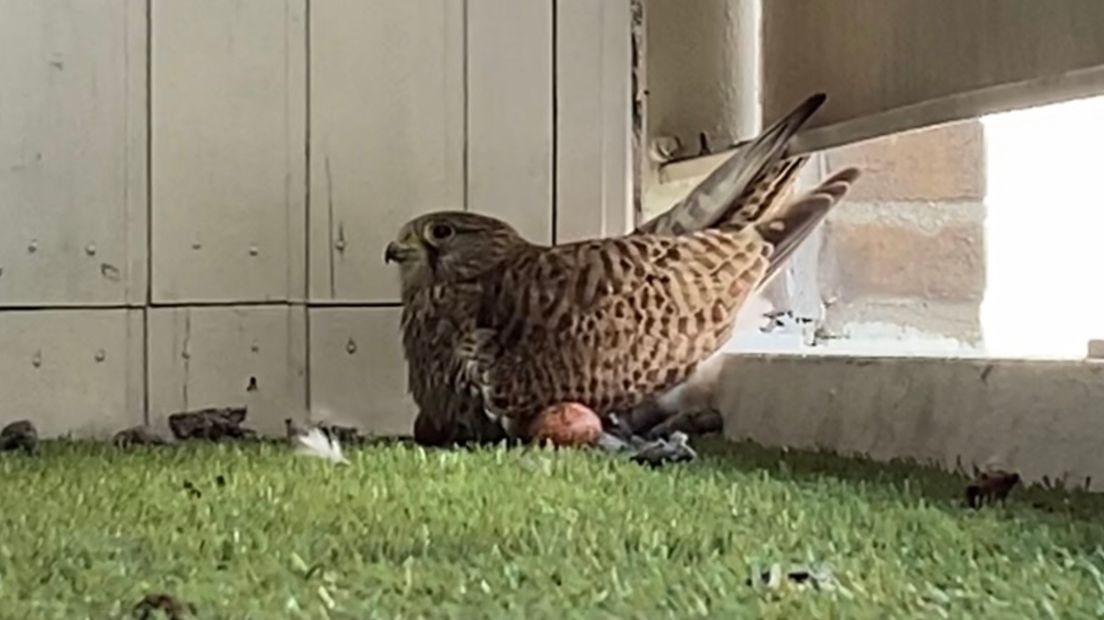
896, 319
946, 162
929, 251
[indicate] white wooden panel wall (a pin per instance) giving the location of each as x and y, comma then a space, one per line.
251, 356
72, 371
228, 101
593, 125
72, 152
356, 375
285, 142
509, 112
387, 134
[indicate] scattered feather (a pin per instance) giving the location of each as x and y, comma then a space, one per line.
319, 444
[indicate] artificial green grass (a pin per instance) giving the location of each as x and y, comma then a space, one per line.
87, 530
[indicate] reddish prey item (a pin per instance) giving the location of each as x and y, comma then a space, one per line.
566, 424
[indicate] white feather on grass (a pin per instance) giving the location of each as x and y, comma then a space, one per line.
319, 444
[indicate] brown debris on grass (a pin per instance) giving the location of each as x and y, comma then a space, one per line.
19, 435
140, 435
213, 424
990, 486
170, 607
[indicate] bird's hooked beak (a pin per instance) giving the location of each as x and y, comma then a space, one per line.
397, 252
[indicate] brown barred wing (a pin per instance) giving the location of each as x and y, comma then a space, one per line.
608, 322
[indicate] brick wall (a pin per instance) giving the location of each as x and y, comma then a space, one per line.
907, 247
903, 258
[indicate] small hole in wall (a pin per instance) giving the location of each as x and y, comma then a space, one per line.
252, 387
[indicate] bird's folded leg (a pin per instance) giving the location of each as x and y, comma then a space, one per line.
613, 443
638, 420
659, 452
510, 426
659, 415
697, 422
430, 430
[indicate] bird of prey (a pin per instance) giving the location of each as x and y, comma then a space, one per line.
496, 329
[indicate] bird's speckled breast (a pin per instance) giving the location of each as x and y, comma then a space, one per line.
433, 320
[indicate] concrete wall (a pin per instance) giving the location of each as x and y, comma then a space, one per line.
703, 70
1039, 417
894, 66
906, 249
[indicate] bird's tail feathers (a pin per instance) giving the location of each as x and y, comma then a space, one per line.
788, 227
756, 167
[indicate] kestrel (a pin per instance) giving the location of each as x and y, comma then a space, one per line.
496, 329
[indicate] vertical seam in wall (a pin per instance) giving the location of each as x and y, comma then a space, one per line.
603, 135
146, 315
467, 125
330, 228
307, 209
290, 162
128, 173
637, 109
555, 121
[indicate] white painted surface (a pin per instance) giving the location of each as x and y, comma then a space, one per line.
229, 97
72, 152
358, 376
73, 372
509, 113
210, 357
594, 62
387, 134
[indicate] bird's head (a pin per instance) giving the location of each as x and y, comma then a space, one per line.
449, 246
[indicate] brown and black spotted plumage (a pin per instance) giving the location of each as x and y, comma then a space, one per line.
492, 322
442, 293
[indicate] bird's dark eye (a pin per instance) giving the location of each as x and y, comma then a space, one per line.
440, 232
